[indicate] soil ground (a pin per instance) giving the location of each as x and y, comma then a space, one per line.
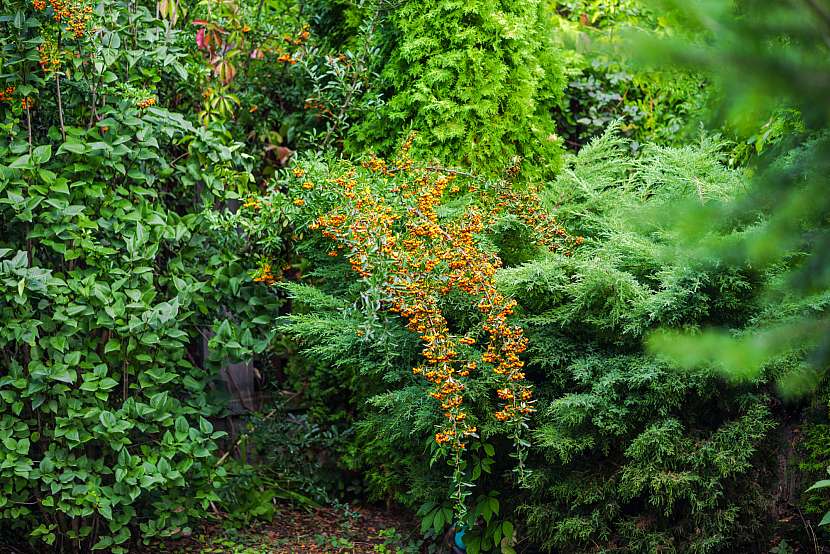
324, 530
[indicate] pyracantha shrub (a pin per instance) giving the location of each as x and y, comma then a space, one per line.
419, 267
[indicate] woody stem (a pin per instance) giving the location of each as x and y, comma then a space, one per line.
59, 96
60, 105
29, 124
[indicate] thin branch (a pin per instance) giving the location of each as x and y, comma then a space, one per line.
59, 96
60, 104
28, 122
242, 437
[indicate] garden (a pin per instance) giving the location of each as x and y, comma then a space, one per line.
414, 276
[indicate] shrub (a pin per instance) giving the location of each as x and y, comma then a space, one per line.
625, 450
633, 454
476, 81
109, 277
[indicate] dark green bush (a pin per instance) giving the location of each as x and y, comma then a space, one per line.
110, 276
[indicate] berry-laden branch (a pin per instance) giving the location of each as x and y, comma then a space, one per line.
394, 239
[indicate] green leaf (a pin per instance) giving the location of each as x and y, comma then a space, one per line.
42, 154
181, 425
438, 521
205, 426
64, 375
73, 147
107, 383
21, 162
494, 505
105, 511
103, 544
122, 535
426, 522
108, 419
824, 483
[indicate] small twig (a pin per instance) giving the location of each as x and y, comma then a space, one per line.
60, 105
59, 96
810, 531
242, 437
28, 123
177, 158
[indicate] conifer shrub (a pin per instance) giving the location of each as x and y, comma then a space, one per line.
477, 81
635, 454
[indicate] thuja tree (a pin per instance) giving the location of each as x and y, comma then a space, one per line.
476, 80
107, 275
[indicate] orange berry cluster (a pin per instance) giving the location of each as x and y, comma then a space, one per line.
300, 39
525, 205
286, 58
146, 103
50, 60
39, 5
418, 260
252, 203
27, 103
75, 14
61, 9
312, 104
7, 94
264, 275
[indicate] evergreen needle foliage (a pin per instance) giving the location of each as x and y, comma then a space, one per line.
475, 79
633, 453
780, 222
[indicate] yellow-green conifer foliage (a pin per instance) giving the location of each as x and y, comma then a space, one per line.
476, 79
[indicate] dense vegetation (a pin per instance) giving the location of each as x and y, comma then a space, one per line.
550, 273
